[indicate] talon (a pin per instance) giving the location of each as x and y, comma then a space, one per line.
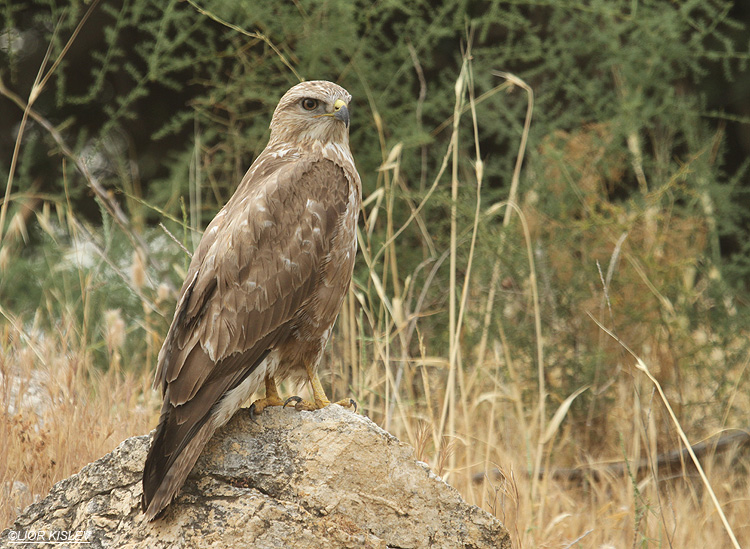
253, 415
348, 403
295, 398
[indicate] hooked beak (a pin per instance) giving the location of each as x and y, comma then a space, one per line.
341, 111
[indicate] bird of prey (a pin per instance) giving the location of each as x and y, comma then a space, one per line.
264, 286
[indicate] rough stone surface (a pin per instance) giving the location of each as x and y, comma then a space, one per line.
298, 479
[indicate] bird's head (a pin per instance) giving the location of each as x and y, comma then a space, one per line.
312, 111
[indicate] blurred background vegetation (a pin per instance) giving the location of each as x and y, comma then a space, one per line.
634, 191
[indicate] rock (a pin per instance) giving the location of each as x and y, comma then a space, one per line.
298, 479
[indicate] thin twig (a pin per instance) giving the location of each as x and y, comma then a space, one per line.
256, 35
110, 205
176, 240
578, 539
668, 461
36, 89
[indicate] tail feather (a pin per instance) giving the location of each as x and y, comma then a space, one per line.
185, 429
165, 471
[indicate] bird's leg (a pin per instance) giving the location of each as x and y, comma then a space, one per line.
272, 398
320, 400
319, 395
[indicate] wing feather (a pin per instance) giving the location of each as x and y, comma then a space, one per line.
274, 236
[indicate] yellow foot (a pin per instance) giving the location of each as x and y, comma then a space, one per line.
301, 404
320, 400
257, 407
272, 399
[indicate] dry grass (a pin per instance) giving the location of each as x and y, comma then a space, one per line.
496, 418
58, 413
468, 410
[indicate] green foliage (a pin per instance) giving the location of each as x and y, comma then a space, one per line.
162, 98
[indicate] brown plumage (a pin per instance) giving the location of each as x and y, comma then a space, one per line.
264, 286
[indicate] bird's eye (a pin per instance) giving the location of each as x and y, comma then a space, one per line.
309, 104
